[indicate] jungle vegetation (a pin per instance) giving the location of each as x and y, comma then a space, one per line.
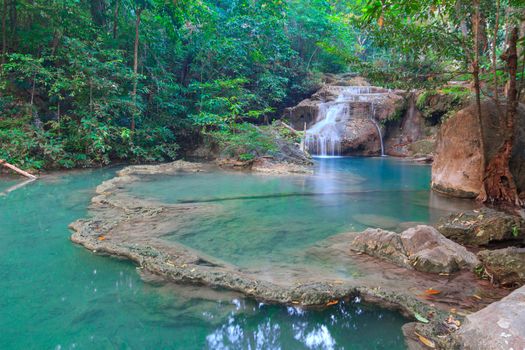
89, 82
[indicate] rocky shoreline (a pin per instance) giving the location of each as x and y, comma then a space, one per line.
127, 227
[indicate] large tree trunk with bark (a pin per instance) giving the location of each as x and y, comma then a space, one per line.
494, 52
476, 27
498, 180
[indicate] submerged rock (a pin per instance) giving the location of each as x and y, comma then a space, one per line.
505, 267
380, 221
483, 226
500, 325
422, 248
272, 167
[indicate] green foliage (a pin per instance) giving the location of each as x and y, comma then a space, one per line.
442, 103
244, 141
206, 66
515, 231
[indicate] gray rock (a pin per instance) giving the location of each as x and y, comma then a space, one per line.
500, 325
430, 251
483, 226
422, 248
505, 267
381, 244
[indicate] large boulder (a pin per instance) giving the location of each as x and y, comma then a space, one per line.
482, 226
457, 169
429, 251
500, 325
422, 248
505, 267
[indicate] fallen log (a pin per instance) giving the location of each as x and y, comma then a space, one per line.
14, 168
288, 127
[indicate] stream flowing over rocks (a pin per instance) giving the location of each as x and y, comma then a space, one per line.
346, 117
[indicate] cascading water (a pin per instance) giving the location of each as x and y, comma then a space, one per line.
380, 136
373, 119
325, 136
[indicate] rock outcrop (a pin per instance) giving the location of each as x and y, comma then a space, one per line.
277, 151
457, 164
410, 136
505, 267
422, 248
500, 325
483, 226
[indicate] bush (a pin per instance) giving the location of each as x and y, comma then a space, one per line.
244, 141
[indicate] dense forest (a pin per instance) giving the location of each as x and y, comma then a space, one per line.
86, 83
89, 82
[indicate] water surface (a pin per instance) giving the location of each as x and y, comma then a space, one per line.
55, 295
261, 220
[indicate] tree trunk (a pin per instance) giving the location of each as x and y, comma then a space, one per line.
494, 54
477, 86
98, 9
115, 19
4, 31
13, 19
91, 97
135, 68
499, 182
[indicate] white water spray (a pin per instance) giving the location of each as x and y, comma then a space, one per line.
325, 136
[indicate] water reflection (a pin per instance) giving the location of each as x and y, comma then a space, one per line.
57, 295
295, 328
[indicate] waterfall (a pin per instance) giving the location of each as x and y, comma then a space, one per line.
325, 136
374, 121
380, 136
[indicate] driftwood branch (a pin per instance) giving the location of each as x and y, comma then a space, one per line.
289, 127
19, 171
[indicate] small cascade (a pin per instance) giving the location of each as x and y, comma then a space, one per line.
374, 121
380, 136
325, 136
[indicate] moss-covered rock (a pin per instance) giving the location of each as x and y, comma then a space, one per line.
505, 267
436, 105
483, 226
